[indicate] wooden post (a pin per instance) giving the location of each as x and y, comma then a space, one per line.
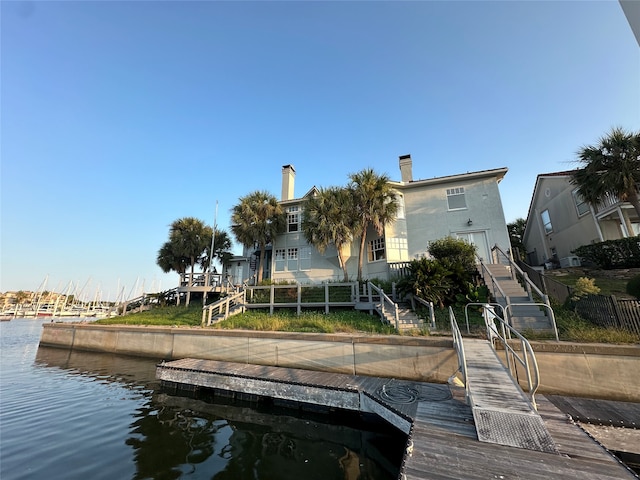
326, 297
299, 299
271, 298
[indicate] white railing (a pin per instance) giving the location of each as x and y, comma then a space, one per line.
429, 305
324, 295
386, 304
516, 273
201, 279
224, 308
526, 357
459, 348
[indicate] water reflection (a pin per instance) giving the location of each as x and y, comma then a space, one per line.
190, 436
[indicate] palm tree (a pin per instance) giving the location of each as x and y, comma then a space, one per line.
221, 247
516, 235
169, 261
610, 168
257, 219
188, 240
375, 205
327, 219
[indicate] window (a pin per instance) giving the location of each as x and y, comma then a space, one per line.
280, 259
376, 250
292, 259
581, 206
293, 219
305, 258
398, 249
546, 221
455, 198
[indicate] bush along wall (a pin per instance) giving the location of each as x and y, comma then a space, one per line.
623, 253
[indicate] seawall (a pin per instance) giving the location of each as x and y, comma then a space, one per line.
586, 370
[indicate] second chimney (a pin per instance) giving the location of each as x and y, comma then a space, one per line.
405, 168
288, 181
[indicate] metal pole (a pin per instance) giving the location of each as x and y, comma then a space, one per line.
213, 237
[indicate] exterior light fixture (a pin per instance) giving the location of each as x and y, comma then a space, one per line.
469, 222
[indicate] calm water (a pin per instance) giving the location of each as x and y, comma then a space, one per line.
75, 415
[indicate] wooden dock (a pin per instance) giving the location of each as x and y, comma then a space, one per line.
441, 432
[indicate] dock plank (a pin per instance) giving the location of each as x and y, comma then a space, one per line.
442, 432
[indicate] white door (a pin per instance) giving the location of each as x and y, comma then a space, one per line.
479, 239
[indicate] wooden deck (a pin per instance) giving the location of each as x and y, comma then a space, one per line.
442, 438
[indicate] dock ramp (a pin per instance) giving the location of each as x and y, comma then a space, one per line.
502, 412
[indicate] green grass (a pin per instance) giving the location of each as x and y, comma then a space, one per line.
608, 286
345, 321
571, 327
161, 316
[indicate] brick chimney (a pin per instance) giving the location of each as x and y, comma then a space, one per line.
405, 168
288, 181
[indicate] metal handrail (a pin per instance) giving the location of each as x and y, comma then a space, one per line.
223, 304
494, 283
529, 285
383, 300
429, 305
478, 304
528, 358
459, 348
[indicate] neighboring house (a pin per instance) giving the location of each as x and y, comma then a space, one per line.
559, 221
465, 206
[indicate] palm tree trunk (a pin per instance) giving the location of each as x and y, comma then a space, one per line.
190, 283
261, 265
363, 239
343, 264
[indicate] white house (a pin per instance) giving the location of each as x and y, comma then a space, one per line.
465, 206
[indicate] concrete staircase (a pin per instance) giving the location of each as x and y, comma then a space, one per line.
522, 317
407, 319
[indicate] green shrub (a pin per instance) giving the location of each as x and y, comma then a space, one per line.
445, 279
633, 287
622, 253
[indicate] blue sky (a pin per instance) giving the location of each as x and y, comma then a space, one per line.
119, 117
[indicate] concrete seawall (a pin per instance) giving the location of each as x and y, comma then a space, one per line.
596, 371
411, 358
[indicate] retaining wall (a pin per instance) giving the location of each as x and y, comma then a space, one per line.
585, 370
411, 358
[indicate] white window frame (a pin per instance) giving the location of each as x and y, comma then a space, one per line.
376, 250
397, 249
293, 219
546, 223
292, 259
304, 262
580, 204
455, 194
279, 256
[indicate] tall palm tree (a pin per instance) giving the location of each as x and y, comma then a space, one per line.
611, 167
327, 219
257, 219
189, 237
375, 205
